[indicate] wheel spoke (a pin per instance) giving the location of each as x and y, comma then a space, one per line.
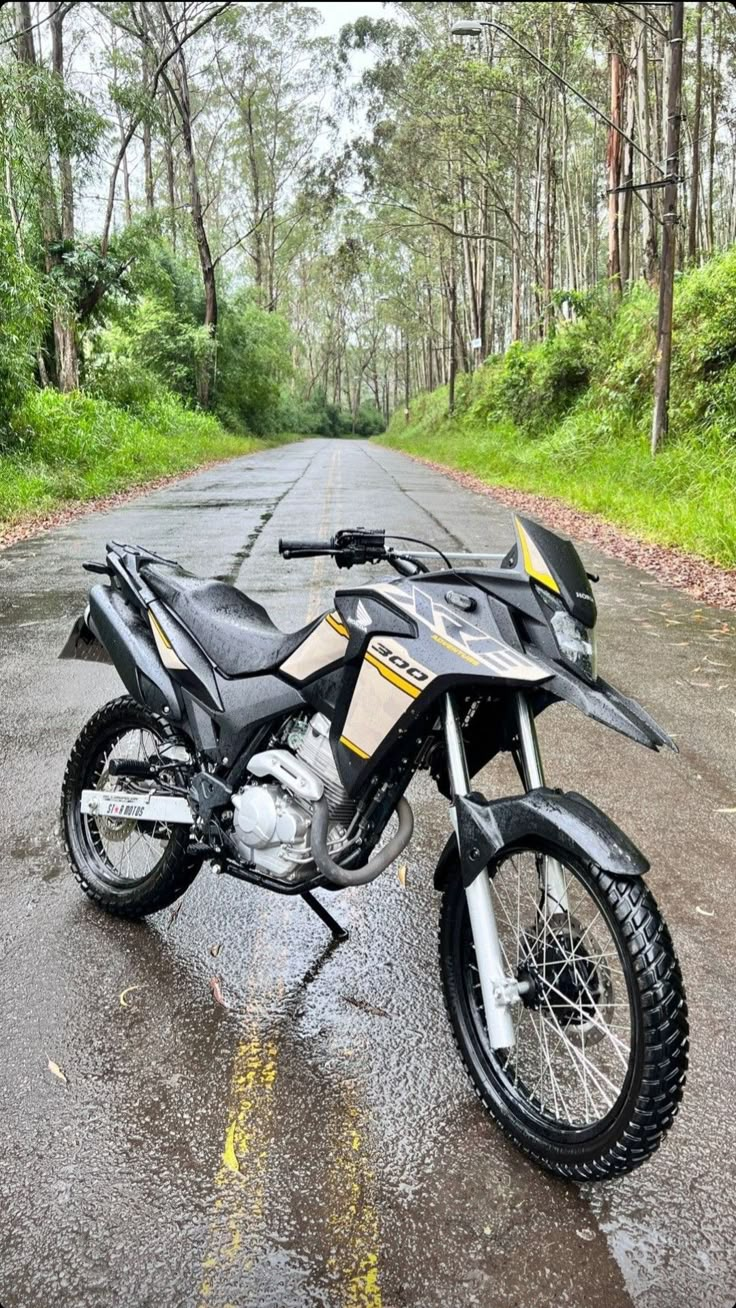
573, 1033
128, 851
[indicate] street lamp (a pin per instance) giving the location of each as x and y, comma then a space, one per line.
467, 27
474, 26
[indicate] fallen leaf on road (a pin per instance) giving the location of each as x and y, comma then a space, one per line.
127, 991
56, 1071
402, 875
216, 988
215, 949
704, 912
175, 913
365, 1006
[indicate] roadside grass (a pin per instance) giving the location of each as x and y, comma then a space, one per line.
570, 416
686, 497
63, 449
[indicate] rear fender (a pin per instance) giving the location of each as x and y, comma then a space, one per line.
131, 647
84, 645
489, 829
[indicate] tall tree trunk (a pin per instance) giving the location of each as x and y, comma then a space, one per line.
715, 74
147, 152
53, 230
516, 237
453, 333
550, 225
649, 227
257, 249
613, 165
56, 15
168, 144
627, 178
182, 103
692, 227
660, 419
539, 154
126, 174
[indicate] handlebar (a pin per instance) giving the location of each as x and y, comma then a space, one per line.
304, 549
348, 548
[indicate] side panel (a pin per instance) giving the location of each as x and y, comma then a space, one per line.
322, 649
399, 680
389, 681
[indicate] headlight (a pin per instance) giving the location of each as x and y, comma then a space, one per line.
576, 643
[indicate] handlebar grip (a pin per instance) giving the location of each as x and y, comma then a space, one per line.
303, 549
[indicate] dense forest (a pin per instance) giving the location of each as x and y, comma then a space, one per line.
216, 218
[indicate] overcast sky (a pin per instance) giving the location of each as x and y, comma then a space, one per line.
337, 14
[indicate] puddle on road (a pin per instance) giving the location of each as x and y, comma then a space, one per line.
26, 609
42, 856
203, 504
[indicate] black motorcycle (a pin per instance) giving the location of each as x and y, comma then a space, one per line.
281, 758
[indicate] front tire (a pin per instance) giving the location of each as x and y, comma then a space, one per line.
128, 868
596, 1076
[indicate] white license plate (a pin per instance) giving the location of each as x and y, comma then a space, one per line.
136, 808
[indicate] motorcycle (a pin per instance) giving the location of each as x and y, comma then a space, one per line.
281, 758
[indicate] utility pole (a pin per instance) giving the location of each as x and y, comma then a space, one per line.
660, 417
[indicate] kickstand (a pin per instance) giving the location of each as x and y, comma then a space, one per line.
324, 915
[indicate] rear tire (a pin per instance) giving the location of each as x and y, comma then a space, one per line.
632, 1119
174, 867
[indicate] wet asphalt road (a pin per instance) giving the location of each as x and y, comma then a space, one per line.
368, 1174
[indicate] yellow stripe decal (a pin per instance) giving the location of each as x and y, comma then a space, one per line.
337, 626
159, 631
355, 748
545, 578
455, 649
394, 677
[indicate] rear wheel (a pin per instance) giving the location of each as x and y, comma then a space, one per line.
129, 868
595, 1077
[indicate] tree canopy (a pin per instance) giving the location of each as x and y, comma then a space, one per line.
294, 229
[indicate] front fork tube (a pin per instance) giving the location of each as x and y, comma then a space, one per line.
553, 887
494, 979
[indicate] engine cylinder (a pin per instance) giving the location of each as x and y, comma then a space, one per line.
316, 751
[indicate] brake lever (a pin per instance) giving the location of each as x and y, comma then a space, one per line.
406, 564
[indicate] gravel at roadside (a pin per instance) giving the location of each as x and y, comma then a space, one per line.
704, 580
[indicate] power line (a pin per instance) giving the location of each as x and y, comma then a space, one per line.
488, 22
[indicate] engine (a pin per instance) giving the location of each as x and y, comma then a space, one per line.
272, 817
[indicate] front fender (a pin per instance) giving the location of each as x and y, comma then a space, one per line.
488, 829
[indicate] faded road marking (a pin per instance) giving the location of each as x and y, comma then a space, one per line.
241, 1176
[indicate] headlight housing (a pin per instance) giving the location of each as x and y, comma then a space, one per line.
576, 643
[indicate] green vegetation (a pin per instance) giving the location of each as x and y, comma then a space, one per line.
570, 416
72, 448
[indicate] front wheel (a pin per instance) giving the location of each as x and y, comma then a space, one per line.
596, 1073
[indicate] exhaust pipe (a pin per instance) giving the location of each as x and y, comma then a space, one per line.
358, 876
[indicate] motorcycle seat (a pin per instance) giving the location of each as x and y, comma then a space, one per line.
234, 630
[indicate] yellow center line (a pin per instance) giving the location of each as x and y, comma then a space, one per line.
241, 1177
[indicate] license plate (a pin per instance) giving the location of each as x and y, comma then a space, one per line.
137, 808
